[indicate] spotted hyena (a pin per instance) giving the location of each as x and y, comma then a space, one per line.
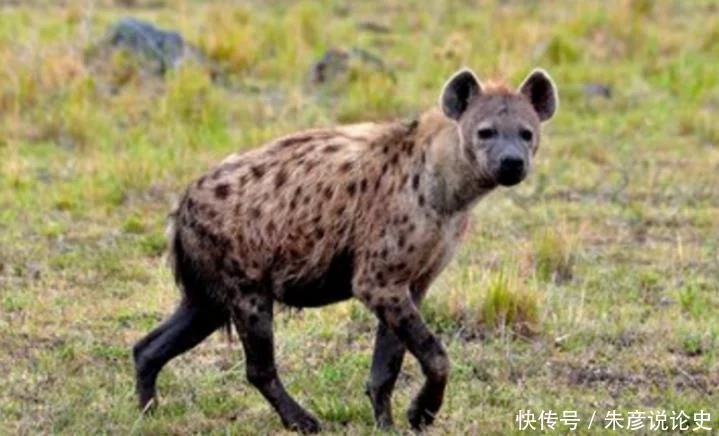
370, 211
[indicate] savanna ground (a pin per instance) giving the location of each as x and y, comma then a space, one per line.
591, 287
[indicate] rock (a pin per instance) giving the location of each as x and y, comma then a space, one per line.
164, 47
597, 90
666, 301
155, 50
336, 63
373, 26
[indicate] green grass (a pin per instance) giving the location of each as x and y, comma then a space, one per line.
591, 287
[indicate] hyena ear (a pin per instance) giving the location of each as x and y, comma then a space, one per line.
539, 88
458, 92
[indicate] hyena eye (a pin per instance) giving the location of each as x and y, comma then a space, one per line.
525, 134
487, 133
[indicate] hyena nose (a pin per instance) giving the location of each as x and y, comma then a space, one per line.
511, 170
511, 165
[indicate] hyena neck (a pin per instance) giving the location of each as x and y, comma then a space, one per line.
455, 183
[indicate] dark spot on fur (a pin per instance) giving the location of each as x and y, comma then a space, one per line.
415, 182
385, 149
255, 212
395, 159
306, 200
243, 180
412, 125
421, 200
384, 253
258, 170
340, 210
351, 188
405, 219
328, 192
404, 179
410, 248
345, 167
410, 148
363, 185
400, 240
319, 232
394, 299
289, 142
271, 227
384, 168
332, 148
293, 204
201, 181
280, 177
217, 174
222, 191
310, 164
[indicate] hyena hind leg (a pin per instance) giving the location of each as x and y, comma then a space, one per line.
187, 327
253, 319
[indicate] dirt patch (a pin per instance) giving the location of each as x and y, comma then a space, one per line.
679, 377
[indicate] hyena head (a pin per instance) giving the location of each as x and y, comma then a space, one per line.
499, 128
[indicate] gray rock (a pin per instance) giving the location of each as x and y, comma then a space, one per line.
156, 50
164, 47
597, 90
335, 63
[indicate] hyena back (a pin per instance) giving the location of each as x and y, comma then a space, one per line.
370, 211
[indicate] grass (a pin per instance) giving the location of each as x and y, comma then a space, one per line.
591, 287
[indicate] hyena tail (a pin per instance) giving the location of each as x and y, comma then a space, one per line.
173, 244
184, 270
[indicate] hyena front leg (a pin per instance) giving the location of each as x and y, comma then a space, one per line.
395, 308
386, 364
